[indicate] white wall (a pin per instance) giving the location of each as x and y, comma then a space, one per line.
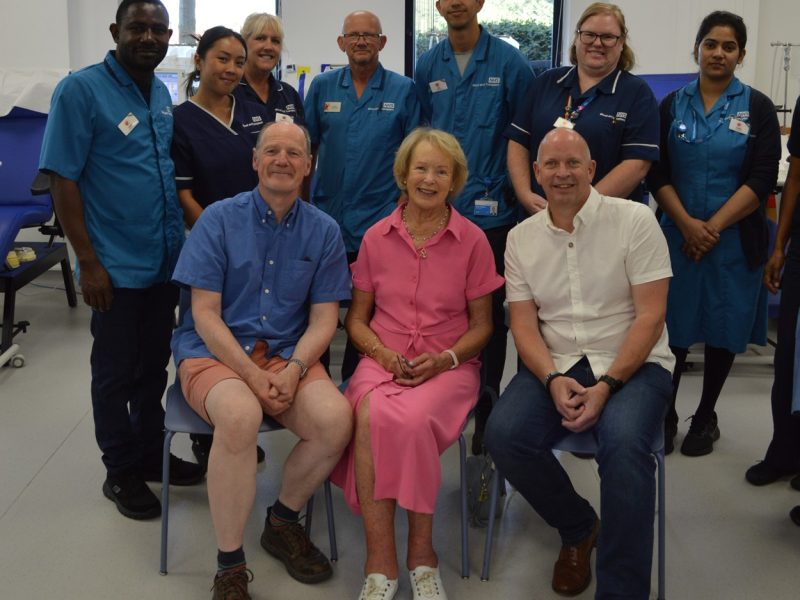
779, 21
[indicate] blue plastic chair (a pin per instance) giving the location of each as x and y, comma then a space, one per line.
585, 443
180, 418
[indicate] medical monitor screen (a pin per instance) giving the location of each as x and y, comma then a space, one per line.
171, 79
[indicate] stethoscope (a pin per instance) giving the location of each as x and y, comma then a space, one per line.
683, 129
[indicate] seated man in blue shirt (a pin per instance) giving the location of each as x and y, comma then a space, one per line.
266, 272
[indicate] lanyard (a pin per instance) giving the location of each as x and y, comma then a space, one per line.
572, 115
682, 128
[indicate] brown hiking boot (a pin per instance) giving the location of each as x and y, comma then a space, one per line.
231, 584
290, 544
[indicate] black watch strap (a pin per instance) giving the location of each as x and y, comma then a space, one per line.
549, 379
614, 384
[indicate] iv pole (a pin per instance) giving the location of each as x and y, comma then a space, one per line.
787, 61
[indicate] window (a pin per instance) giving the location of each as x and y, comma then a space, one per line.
525, 24
195, 16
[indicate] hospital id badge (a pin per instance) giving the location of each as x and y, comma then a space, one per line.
562, 122
739, 126
128, 124
283, 118
485, 207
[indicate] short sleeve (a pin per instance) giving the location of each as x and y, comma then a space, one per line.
482, 277
69, 131
362, 276
640, 138
647, 258
519, 130
517, 288
203, 261
181, 153
311, 111
332, 278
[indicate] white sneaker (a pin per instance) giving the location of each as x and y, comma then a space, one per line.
378, 587
427, 584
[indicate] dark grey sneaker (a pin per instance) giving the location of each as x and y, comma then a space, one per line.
132, 496
181, 472
231, 584
700, 441
291, 545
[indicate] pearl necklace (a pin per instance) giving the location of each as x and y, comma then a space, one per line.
423, 252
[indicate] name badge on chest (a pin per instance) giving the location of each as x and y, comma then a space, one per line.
128, 124
564, 123
485, 207
283, 118
332, 107
438, 86
739, 126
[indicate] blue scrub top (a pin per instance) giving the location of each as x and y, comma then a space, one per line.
283, 100
619, 122
358, 139
793, 145
268, 273
476, 108
212, 158
102, 134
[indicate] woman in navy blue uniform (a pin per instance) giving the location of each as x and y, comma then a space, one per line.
264, 36
213, 139
214, 133
720, 147
614, 111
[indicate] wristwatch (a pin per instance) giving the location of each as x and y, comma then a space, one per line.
614, 384
549, 379
299, 363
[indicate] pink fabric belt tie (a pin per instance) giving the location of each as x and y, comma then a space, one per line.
416, 335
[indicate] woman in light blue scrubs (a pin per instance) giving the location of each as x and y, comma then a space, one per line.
720, 147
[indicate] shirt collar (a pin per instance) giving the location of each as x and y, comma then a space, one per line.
607, 85
735, 88
376, 80
479, 52
585, 216
455, 225
265, 213
119, 73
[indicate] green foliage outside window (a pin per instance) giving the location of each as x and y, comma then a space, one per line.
534, 38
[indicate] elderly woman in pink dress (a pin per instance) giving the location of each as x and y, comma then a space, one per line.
421, 312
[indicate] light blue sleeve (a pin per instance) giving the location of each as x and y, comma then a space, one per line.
70, 128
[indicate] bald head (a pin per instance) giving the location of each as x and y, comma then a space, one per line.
564, 168
360, 17
564, 136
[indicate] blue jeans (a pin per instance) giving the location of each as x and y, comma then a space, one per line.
129, 361
520, 434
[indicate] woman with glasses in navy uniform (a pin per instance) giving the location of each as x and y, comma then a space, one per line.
720, 147
614, 111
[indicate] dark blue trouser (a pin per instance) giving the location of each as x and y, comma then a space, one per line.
520, 434
129, 359
784, 449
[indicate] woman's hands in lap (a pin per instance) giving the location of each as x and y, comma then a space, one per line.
423, 367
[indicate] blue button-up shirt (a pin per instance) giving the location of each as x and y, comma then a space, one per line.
476, 108
268, 273
358, 139
619, 118
102, 134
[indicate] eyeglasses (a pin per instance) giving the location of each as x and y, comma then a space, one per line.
356, 35
606, 39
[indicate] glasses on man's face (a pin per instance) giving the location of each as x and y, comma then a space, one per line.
357, 35
606, 39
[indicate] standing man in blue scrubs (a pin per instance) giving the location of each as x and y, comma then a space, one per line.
357, 116
107, 151
470, 85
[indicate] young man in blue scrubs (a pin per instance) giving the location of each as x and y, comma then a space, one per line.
357, 116
106, 149
470, 85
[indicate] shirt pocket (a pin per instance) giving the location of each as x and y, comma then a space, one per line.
295, 279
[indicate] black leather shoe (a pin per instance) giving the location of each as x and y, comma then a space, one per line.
181, 472
201, 450
699, 442
132, 496
762, 473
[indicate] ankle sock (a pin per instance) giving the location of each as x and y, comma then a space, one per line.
279, 514
229, 560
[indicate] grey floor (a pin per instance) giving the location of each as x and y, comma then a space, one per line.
60, 538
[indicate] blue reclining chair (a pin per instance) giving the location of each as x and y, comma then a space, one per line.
25, 202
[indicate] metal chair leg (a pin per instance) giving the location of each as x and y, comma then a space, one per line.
331, 523
165, 500
462, 448
494, 496
309, 514
662, 526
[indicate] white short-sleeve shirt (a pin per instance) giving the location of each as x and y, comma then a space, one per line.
581, 281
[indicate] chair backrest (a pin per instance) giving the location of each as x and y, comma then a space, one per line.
21, 133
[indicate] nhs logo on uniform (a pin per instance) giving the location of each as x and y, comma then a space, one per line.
388, 106
493, 81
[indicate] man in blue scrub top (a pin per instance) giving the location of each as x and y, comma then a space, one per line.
470, 85
357, 116
106, 149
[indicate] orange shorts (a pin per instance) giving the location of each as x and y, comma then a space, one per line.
199, 375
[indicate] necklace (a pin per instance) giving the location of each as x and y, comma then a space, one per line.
418, 240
